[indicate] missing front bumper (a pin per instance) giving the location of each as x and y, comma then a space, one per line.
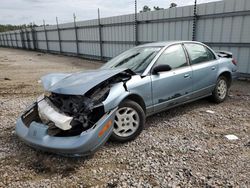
36, 135
47, 112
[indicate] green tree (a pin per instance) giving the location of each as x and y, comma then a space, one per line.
145, 9
158, 8
172, 5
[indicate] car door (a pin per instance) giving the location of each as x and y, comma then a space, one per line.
172, 87
204, 65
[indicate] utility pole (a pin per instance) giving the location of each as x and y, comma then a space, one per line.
100, 35
46, 36
59, 36
136, 25
194, 20
76, 35
33, 34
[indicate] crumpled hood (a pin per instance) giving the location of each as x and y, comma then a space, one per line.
77, 83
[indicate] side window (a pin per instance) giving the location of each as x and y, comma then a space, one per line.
210, 54
199, 53
174, 56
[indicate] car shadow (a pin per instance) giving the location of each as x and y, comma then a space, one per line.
50, 164
44, 163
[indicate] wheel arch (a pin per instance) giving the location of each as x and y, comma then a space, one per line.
227, 75
136, 98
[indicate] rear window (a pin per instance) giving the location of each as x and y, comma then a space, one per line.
199, 53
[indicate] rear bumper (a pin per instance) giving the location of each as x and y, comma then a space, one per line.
86, 143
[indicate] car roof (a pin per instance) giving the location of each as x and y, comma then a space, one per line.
166, 43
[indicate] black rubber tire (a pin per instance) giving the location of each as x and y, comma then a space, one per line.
215, 97
129, 103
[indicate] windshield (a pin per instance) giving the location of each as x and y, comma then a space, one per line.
135, 59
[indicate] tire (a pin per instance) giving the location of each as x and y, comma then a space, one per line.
129, 122
221, 89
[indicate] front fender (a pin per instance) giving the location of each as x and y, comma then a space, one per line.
117, 94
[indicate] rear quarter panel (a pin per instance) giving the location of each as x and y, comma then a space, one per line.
226, 65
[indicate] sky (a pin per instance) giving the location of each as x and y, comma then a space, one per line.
29, 11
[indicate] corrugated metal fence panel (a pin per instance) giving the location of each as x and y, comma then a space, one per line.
19, 42
53, 46
31, 44
120, 33
89, 48
166, 30
88, 37
224, 25
53, 40
13, 38
68, 34
230, 29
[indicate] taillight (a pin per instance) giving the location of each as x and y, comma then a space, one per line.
234, 61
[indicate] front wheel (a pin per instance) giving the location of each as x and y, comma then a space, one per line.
129, 122
221, 90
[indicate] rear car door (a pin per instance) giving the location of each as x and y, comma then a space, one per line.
172, 87
204, 66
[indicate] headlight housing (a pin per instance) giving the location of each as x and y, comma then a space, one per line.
45, 94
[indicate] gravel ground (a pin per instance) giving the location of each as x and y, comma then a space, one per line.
182, 147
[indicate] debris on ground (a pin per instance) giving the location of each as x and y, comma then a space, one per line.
210, 111
5, 78
231, 137
247, 144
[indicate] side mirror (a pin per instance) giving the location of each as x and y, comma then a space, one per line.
161, 68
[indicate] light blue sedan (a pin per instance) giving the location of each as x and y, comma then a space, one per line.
79, 112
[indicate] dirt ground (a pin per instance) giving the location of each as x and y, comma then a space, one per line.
182, 147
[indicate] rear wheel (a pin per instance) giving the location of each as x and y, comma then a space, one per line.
129, 122
221, 90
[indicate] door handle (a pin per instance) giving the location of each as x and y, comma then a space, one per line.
213, 68
186, 75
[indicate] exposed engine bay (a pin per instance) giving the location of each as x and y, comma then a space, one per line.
86, 109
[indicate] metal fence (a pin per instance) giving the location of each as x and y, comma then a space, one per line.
223, 25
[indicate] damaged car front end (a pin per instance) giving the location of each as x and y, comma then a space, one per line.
73, 116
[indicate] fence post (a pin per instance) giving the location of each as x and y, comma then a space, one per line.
100, 35
2, 40
136, 25
7, 40
37, 41
20, 33
6, 36
16, 39
59, 36
27, 38
76, 34
11, 39
194, 21
22, 38
33, 37
5, 43
46, 37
